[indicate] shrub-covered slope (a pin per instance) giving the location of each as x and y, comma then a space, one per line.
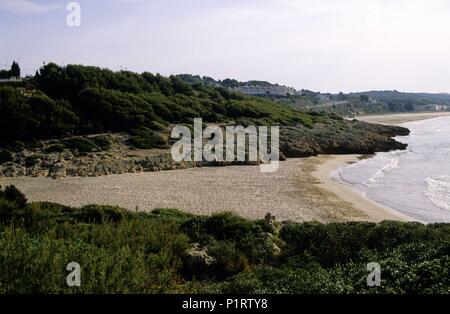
75, 99
168, 251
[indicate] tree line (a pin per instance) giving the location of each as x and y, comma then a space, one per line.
77, 99
14, 71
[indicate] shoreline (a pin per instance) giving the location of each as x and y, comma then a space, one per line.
373, 209
400, 118
292, 193
301, 190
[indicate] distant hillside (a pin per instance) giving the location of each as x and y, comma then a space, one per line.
408, 99
368, 102
341, 104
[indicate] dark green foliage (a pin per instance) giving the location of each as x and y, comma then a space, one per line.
16, 146
15, 69
13, 72
118, 101
32, 160
12, 194
56, 148
124, 252
99, 214
5, 156
224, 226
245, 240
144, 138
81, 145
172, 214
5, 74
37, 116
80, 100
157, 126
102, 142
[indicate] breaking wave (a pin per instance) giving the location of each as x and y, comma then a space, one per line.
438, 191
391, 164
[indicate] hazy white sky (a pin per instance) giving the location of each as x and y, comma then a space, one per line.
322, 45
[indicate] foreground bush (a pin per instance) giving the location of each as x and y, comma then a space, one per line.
124, 252
5, 156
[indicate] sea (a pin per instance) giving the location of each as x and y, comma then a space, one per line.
415, 181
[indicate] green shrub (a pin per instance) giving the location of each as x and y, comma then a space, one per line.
12, 204
32, 160
127, 252
103, 142
229, 259
12, 194
17, 146
171, 213
55, 148
157, 126
5, 156
81, 145
144, 138
99, 214
223, 226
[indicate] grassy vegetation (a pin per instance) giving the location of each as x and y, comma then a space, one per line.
125, 252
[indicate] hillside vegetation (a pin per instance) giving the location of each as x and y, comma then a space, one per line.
77, 100
370, 102
168, 251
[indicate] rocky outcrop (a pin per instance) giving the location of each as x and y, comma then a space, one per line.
355, 137
56, 167
196, 258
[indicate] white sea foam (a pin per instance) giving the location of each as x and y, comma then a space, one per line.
415, 181
438, 191
391, 164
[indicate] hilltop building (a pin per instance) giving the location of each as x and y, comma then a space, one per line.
258, 90
437, 107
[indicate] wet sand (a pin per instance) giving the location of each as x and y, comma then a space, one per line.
396, 119
375, 211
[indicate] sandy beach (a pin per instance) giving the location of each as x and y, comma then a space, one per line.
396, 119
290, 193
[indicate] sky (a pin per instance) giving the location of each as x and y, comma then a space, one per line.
320, 45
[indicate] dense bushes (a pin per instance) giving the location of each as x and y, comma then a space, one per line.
31, 117
5, 156
88, 100
144, 138
80, 100
84, 145
124, 252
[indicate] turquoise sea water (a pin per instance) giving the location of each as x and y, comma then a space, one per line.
415, 182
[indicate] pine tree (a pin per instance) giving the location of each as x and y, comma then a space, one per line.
15, 69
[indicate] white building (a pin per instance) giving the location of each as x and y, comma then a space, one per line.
275, 90
11, 79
